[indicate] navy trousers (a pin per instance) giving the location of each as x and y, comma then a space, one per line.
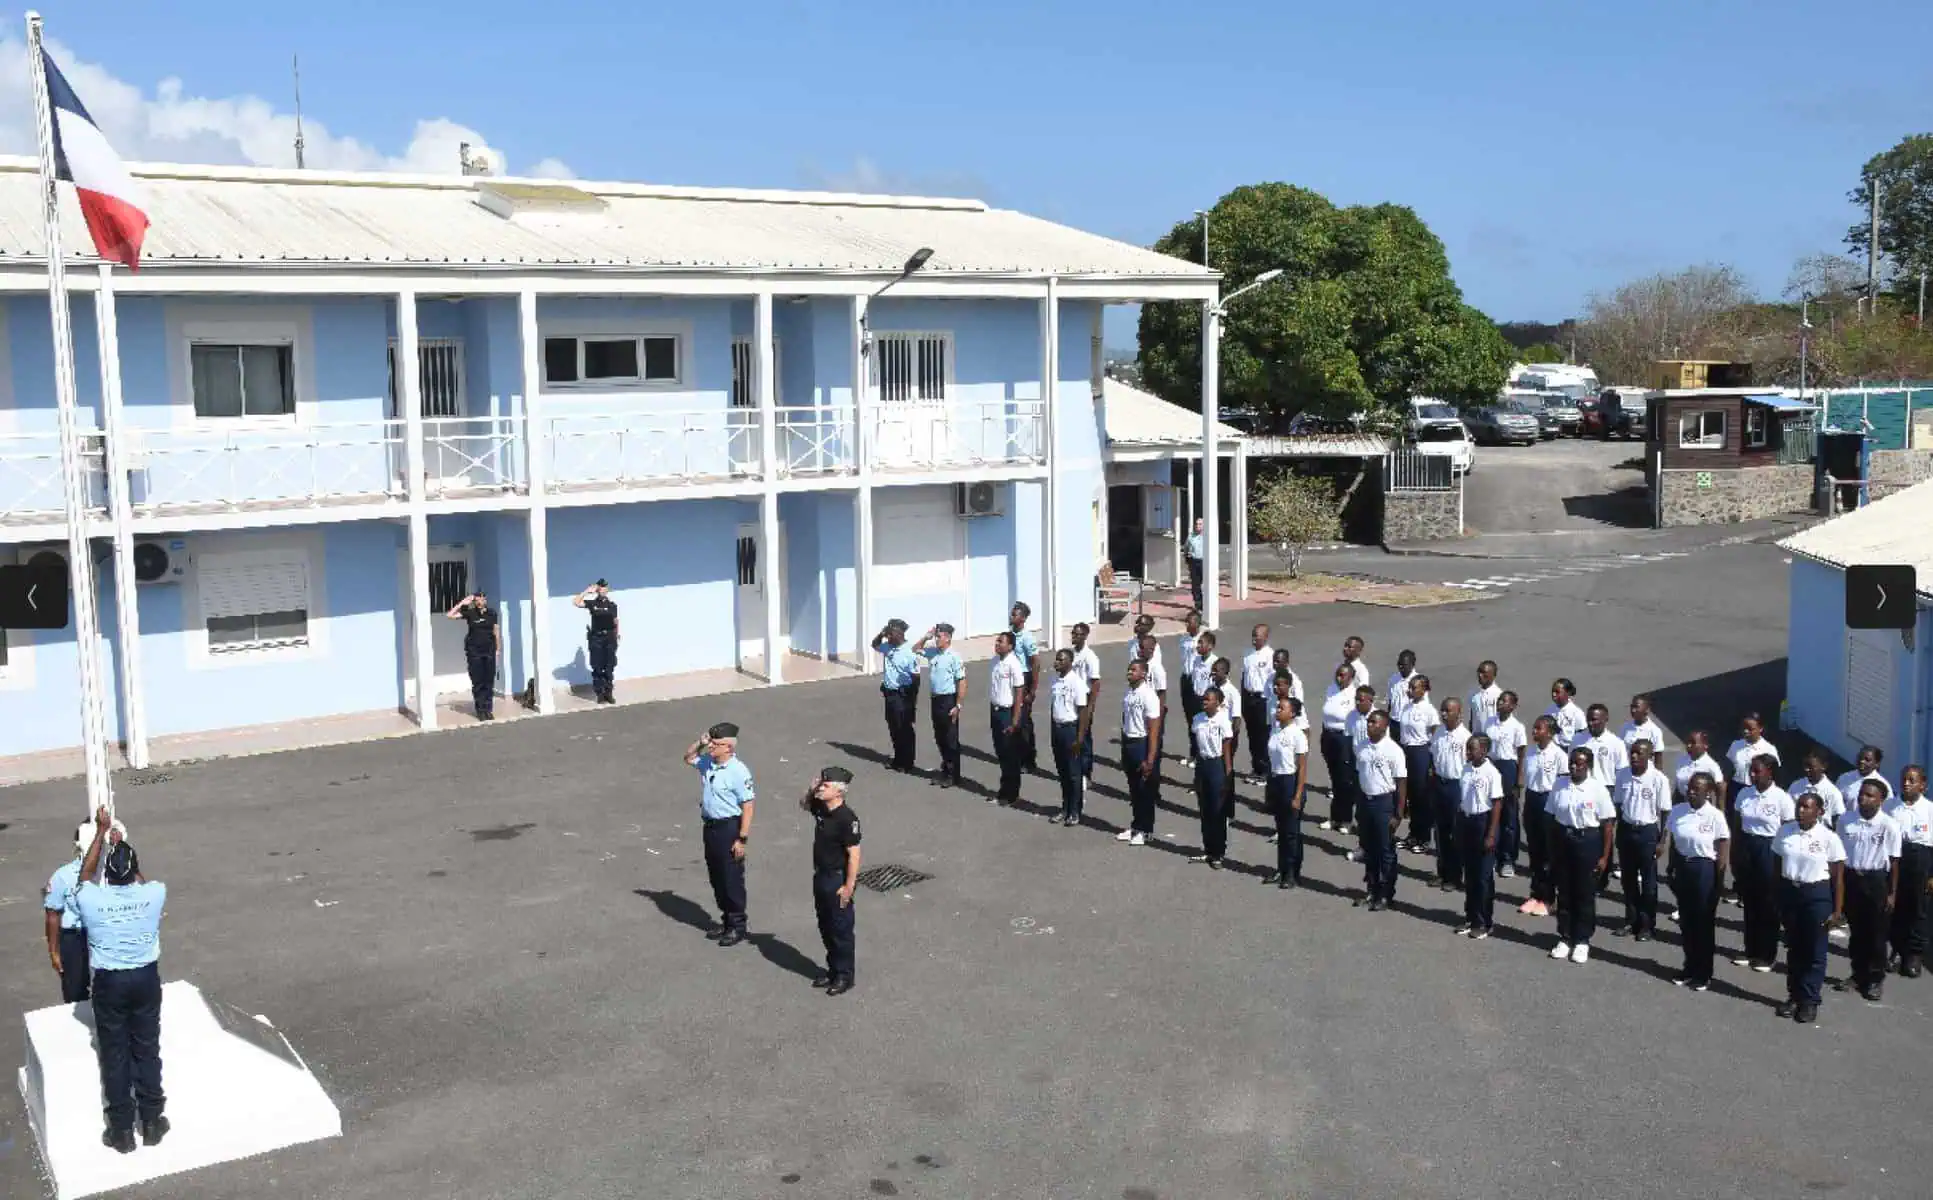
1695, 882
1211, 792
127, 1038
1509, 825
727, 874
74, 971
1422, 817
1067, 766
1255, 723
1865, 920
1755, 871
1537, 838
1029, 752
1479, 869
1141, 792
1638, 862
1194, 580
1008, 750
1447, 795
601, 649
836, 924
1339, 757
1806, 907
1910, 907
946, 733
483, 680
1288, 826
1373, 817
1575, 871
899, 725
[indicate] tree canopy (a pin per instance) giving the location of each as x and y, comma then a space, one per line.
1904, 176
1365, 314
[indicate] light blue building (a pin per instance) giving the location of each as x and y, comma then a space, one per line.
1853, 687
329, 405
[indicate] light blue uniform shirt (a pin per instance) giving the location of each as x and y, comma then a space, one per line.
1024, 648
60, 894
727, 787
945, 671
1194, 545
123, 924
902, 666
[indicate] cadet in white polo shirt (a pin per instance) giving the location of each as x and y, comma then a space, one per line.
1479, 809
1258, 677
1545, 762
1865, 766
1643, 798
1447, 761
1762, 809
1812, 892
1414, 729
1698, 761
1564, 711
1642, 726
1583, 821
1873, 843
1814, 780
1701, 844
1352, 648
1509, 744
1481, 708
1140, 735
1396, 690
1914, 812
1381, 776
1750, 743
1288, 777
1337, 703
1201, 675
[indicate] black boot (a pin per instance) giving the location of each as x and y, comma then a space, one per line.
153, 1131
840, 985
121, 1140
731, 937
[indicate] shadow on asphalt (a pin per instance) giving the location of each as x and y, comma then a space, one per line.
1626, 508
780, 954
1717, 703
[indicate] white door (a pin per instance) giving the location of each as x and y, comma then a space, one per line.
756, 572
919, 559
912, 377
1160, 556
451, 568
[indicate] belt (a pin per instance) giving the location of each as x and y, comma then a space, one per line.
1885, 872
720, 820
1808, 883
1574, 831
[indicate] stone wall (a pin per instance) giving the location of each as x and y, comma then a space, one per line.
1740, 494
1421, 516
1893, 470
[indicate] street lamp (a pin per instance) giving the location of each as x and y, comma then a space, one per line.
1265, 277
1211, 369
914, 262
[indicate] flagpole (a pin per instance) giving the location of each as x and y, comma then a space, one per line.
74, 484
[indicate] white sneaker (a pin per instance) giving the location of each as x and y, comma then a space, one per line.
1199, 858
1126, 835
1273, 838
1743, 960
1355, 856
1326, 825
1189, 763
1139, 839
1084, 782
1675, 914
1561, 950
1581, 953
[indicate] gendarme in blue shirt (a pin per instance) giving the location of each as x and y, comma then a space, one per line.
60, 894
945, 670
123, 924
1024, 647
1194, 545
727, 787
902, 666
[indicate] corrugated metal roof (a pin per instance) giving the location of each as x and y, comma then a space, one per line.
1319, 445
1896, 530
1138, 418
213, 216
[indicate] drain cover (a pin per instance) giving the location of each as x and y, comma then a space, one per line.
891, 877
143, 778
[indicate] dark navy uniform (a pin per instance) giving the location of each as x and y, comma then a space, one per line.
601, 644
480, 652
835, 833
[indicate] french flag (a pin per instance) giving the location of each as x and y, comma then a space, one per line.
111, 203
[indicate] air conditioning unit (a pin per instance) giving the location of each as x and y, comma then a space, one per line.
979, 500
160, 560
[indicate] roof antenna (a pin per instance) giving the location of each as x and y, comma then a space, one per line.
300, 162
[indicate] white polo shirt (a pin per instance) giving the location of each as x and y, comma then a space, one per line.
1189, 644
1285, 746
1378, 766
1608, 756
1138, 707
1157, 678
1741, 755
1358, 729
1211, 732
1419, 723
1507, 739
1915, 819
1832, 800
1201, 676
1807, 855
1762, 814
1396, 690
1482, 787
1848, 785
1336, 707
1648, 729
1004, 678
1481, 708
1087, 668
1870, 845
1569, 719
1577, 805
1359, 672
1295, 690
1543, 767
1446, 752
1258, 669
1696, 832
1643, 799
1069, 693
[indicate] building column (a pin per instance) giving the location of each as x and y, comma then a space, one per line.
1050, 491
1211, 583
1238, 514
769, 501
536, 448
1185, 513
409, 399
127, 612
862, 501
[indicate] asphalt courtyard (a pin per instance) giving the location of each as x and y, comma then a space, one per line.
487, 944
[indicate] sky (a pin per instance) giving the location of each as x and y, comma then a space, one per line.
1558, 149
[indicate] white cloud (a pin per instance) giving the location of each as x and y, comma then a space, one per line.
551, 168
174, 126
867, 176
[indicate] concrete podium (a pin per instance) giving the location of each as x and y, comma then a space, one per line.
235, 1089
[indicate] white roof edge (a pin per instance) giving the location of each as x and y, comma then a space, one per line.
463, 183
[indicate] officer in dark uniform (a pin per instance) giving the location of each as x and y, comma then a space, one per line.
725, 804
899, 686
482, 643
835, 874
600, 643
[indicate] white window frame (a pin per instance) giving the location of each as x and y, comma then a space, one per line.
742, 352
215, 552
681, 351
1763, 438
191, 325
915, 337
1703, 440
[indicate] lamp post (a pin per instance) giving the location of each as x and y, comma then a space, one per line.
1211, 359
917, 260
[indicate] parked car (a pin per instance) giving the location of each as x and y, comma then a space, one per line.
1503, 425
1448, 439
1624, 412
1563, 413
1590, 418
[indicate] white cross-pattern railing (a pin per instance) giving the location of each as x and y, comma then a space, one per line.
816, 440
954, 433
30, 480
466, 455
630, 448
264, 467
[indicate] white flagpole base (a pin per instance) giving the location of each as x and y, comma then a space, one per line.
235, 1089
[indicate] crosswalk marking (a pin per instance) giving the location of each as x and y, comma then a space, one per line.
1568, 570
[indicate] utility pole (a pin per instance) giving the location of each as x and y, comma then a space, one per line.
1872, 249
1203, 214
1805, 339
296, 62
1922, 299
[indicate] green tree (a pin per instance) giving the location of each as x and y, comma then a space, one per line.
1542, 352
1365, 315
1904, 176
1292, 512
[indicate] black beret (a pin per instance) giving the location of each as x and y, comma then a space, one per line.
724, 729
896, 624
943, 627
601, 583
835, 775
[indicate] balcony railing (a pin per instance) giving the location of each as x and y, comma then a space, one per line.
468, 456
30, 487
173, 470
936, 434
816, 440
632, 448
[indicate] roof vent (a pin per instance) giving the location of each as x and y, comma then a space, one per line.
537, 203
